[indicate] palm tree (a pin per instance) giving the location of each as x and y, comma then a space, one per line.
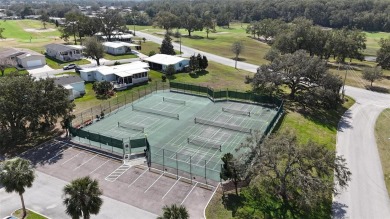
82, 198
16, 175
174, 212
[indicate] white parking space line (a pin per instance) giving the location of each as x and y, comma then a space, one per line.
71, 158
188, 193
138, 178
98, 167
154, 182
84, 162
58, 154
171, 187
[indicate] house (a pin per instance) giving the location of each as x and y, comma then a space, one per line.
24, 58
73, 83
65, 53
123, 76
119, 48
161, 61
116, 36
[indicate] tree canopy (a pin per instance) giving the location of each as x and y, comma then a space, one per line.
292, 180
174, 212
372, 74
29, 106
166, 46
383, 54
93, 49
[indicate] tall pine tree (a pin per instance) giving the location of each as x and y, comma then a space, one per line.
166, 46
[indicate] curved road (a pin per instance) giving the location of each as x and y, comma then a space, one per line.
366, 196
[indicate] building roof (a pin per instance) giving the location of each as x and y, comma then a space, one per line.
59, 47
118, 44
109, 70
65, 80
130, 72
20, 53
164, 59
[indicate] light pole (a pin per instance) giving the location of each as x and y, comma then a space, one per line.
134, 17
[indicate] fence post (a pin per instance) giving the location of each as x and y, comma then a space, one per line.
125, 101
139, 95
82, 120
101, 109
177, 168
132, 98
91, 114
156, 86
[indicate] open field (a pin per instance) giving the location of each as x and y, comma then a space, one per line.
220, 42
382, 135
372, 42
17, 36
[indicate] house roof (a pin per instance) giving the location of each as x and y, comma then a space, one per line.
118, 44
65, 80
164, 59
109, 70
59, 47
130, 72
20, 53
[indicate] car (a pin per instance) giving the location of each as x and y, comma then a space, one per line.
10, 217
77, 69
70, 66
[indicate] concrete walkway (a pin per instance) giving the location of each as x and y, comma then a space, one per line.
46, 197
366, 196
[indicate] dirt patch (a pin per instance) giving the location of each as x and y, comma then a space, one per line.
7, 39
39, 30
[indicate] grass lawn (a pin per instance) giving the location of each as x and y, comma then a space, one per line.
30, 215
10, 70
382, 128
18, 35
117, 57
67, 73
372, 43
57, 64
220, 42
148, 46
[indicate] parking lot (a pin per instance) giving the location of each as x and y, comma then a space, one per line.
133, 184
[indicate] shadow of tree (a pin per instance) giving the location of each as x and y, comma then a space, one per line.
197, 74
338, 210
377, 89
239, 59
232, 202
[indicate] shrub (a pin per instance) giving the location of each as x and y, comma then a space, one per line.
152, 53
164, 78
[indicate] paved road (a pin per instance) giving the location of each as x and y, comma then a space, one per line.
46, 196
187, 52
366, 196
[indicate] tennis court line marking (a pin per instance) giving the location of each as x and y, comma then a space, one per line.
99, 166
71, 158
189, 193
137, 178
154, 182
84, 162
171, 187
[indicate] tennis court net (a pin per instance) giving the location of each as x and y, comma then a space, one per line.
238, 112
157, 112
170, 100
223, 125
131, 126
196, 140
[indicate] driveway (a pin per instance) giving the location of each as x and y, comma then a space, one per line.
39, 70
366, 196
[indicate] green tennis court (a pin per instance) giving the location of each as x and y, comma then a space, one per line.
186, 132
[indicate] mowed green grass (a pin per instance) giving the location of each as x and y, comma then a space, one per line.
382, 128
220, 42
30, 215
372, 42
118, 57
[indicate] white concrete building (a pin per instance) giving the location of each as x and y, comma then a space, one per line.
161, 61
123, 76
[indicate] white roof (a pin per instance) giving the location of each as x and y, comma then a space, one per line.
68, 87
77, 46
112, 44
164, 59
130, 72
109, 70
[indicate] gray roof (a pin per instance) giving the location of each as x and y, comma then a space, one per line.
67, 80
59, 47
20, 53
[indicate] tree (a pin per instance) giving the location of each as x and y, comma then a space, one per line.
82, 197
56, 23
29, 106
6, 63
231, 170
191, 23
167, 20
44, 18
205, 63
170, 70
372, 74
110, 20
193, 63
174, 212
93, 49
382, 55
208, 23
102, 88
237, 49
16, 175
199, 59
292, 180
1, 33
166, 46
